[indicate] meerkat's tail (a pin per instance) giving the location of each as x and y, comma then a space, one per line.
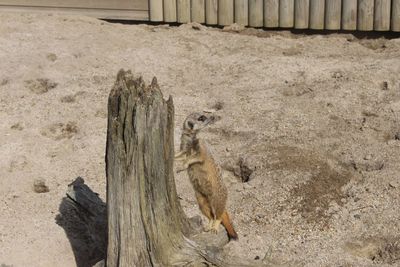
226, 222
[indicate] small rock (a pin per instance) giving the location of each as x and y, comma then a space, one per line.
52, 57
257, 258
209, 110
233, 28
385, 85
18, 126
337, 75
39, 186
193, 26
196, 26
397, 136
368, 157
357, 216
4, 82
160, 27
218, 105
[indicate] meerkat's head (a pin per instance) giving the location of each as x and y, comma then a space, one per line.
198, 120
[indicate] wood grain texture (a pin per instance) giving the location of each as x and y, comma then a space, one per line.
121, 14
271, 13
317, 14
382, 15
256, 13
139, 171
286, 13
156, 10
242, 12
395, 23
105, 4
170, 11
225, 12
212, 12
365, 16
183, 11
302, 12
198, 9
333, 13
349, 15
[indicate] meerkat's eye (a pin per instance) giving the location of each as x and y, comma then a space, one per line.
202, 118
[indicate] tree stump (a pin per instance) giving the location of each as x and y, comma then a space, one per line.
146, 224
145, 221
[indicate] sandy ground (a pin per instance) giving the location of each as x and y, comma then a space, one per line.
316, 118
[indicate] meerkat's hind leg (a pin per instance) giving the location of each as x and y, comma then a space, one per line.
205, 208
215, 226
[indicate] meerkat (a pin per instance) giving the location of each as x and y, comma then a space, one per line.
204, 173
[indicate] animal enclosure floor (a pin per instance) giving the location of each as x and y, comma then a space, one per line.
316, 118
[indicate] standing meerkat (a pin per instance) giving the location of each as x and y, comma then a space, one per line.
204, 173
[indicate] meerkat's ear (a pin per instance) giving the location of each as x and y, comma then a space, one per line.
190, 124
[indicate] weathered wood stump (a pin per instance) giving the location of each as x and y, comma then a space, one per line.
146, 224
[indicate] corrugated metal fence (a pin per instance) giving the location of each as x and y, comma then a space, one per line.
362, 15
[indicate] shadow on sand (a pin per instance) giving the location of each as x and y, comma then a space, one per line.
83, 218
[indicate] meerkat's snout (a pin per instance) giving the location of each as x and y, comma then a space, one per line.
214, 118
209, 119
205, 119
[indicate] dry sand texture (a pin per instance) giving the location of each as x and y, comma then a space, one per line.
314, 118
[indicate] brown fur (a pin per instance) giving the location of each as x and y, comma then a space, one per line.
205, 176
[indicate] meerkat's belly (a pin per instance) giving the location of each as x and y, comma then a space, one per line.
199, 179
206, 179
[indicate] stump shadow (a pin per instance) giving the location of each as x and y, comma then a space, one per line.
85, 226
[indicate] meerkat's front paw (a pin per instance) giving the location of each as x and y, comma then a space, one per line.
181, 170
215, 226
180, 155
